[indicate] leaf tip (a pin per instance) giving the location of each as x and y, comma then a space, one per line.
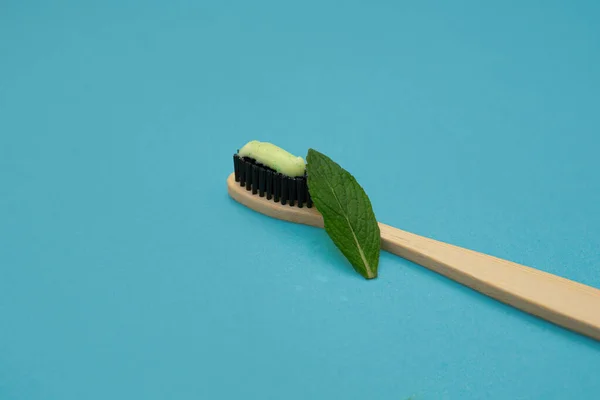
370, 276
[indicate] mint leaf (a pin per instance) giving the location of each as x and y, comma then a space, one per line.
347, 212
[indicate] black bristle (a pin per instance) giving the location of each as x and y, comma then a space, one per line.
254, 179
236, 167
268, 183
284, 190
300, 189
262, 174
276, 187
242, 168
292, 187
248, 176
269, 186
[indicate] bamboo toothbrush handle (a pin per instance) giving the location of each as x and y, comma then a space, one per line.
564, 302
570, 304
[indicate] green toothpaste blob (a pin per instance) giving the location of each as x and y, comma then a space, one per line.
274, 157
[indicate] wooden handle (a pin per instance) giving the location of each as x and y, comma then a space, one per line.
566, 303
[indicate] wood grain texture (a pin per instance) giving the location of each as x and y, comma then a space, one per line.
566, 303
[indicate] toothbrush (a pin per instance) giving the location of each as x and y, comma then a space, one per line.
566, 303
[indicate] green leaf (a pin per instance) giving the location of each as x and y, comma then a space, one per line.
347, 212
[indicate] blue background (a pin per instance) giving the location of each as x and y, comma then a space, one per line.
126, 272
